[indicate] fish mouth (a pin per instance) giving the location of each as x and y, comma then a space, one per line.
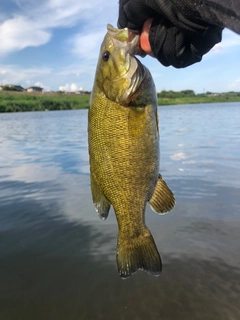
131, 38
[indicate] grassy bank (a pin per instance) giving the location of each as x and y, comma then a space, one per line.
17, 102
189, 97
22, 101
194, 100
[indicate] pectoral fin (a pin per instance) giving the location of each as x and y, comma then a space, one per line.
162, 200
101, 203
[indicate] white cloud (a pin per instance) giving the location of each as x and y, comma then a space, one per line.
42, 85
87, 46
12, 74
70, 87
32, 25
18, 33
49, 79
3, 17
39, 84
83, 68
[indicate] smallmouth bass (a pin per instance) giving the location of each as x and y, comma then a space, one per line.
123, 138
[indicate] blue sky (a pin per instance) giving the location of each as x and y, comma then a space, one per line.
55, 44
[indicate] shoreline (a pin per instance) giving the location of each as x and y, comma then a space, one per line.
22, 101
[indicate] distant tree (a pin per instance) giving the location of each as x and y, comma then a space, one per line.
7, 88
188, 92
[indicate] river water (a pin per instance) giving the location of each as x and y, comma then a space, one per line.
57, 258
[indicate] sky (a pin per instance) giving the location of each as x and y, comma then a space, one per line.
55, 44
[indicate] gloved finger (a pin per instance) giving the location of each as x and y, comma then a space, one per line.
173, 47
132, 14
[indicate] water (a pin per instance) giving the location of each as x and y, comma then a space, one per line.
57, 258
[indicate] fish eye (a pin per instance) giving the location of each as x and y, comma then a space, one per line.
106, 56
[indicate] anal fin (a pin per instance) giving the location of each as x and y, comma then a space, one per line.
162, 200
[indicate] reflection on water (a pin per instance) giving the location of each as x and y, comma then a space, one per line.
57, 259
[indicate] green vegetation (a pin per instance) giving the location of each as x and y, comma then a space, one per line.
189, 97
7, 88
16, 102
11, 101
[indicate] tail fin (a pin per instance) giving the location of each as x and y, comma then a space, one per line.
138, 253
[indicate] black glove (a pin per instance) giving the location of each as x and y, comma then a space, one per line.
178, 36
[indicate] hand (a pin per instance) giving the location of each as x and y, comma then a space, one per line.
177, 34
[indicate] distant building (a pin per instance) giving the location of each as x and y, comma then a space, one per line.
18, 88
34, 89
13, 87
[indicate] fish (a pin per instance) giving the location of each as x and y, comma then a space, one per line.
123, 138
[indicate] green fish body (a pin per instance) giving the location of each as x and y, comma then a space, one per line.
124, 150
